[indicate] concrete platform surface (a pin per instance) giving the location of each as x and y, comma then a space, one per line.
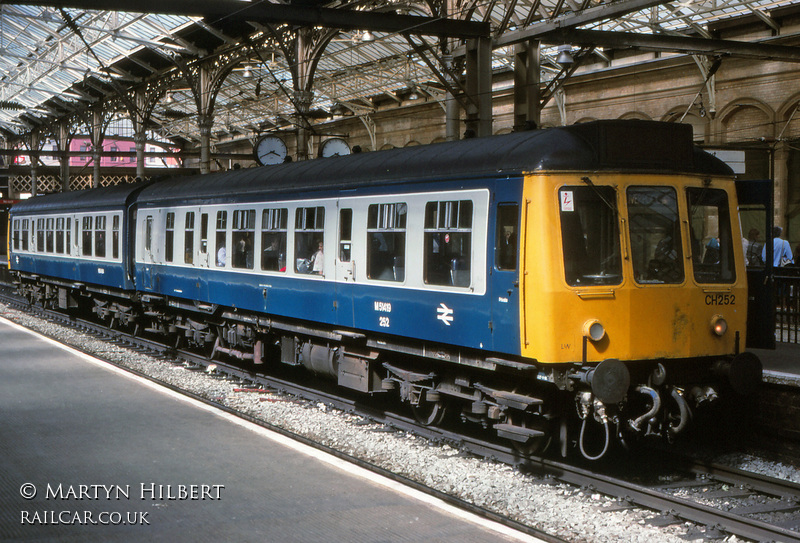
90, 453
781, 365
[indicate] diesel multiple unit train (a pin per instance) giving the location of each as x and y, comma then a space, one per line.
583, 284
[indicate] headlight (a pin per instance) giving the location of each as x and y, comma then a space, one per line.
593, 330
719, 325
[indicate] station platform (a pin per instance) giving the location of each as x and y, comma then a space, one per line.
781, 365
92, 453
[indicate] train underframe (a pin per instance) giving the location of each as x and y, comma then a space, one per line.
589, 408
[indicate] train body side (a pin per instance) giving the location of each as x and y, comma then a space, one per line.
472, 305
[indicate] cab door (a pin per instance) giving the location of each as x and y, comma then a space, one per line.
755, 214
504, 285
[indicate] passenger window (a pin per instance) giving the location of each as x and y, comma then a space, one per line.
448, 243
25, 234
39, 235
204, 233
712, 239
309, 240
50, 235
506, 237
345, 234
60, 235
67, 231
188, 238
86, 239
222, 228
115, 237
655, 234
590, 235
386, 241
273, 239
100, 236
244, 227
15, 235
148, 234
169, 237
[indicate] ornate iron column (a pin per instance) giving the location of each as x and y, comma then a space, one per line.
98, 135
35, 143
302, 102
64, 140
451, 105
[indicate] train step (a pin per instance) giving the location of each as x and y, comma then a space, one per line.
517, 433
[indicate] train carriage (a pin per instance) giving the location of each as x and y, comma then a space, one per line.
72, 243
510, 279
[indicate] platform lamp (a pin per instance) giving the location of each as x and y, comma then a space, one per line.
565, 55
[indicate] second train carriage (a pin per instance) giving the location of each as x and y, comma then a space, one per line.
519, 279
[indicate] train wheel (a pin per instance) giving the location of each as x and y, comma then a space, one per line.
430, 410
535, 445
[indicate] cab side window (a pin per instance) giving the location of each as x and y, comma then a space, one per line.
507, 240
712, 236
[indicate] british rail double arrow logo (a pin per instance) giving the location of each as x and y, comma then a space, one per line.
444, 314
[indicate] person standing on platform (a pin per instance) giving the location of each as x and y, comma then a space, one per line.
782, 251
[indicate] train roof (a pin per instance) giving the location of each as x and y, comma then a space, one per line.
113, 197
629, 145
595, 146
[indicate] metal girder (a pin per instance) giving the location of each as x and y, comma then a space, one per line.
264, 12
479, 87
605, 11
679, 44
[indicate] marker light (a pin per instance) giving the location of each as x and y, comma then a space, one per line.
593, 330
719, 325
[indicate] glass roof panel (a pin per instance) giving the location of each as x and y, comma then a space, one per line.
46, 52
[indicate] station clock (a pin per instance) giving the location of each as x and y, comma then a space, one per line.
269, 149
334, 147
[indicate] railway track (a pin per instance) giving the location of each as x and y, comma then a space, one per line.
717, 499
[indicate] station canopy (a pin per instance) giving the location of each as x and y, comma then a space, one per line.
59, 58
